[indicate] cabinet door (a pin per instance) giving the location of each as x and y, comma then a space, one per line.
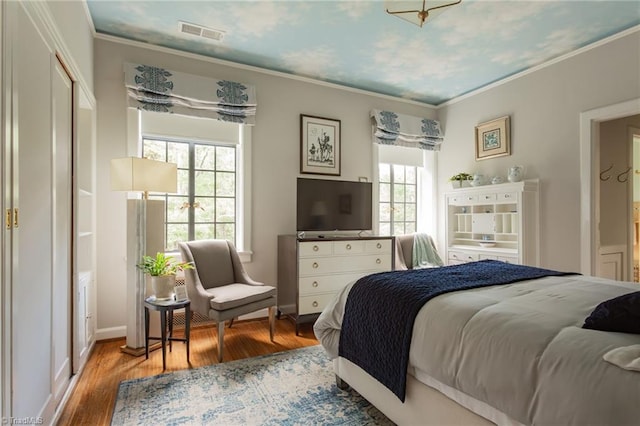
484, 223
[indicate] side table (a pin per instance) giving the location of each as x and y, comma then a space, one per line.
166, 307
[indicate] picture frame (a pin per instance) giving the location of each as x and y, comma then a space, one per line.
320, 145
180, 292
493, 138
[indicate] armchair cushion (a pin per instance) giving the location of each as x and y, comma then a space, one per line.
234, 295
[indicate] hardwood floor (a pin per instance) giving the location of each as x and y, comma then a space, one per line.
94, 396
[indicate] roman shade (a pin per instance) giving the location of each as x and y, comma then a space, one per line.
157, 89
391, 128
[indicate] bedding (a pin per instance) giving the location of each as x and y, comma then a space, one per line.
520, 348
381, 309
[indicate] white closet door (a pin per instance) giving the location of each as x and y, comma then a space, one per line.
62, 109
32, 239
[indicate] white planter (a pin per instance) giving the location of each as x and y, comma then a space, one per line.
460, 184
163, 286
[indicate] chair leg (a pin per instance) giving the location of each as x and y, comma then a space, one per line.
231, 322
272, 321
220, 339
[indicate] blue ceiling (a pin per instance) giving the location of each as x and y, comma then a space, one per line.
357, 44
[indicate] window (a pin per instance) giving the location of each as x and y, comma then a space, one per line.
398, 199
207, 199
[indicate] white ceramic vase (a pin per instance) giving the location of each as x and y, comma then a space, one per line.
163, 286
516, 173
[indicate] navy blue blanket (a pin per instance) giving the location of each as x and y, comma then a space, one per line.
381, 309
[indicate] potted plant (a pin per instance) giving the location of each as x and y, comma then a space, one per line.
162, 270
460, 180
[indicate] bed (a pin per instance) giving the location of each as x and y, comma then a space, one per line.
512, 354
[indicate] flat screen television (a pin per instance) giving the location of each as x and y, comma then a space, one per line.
333, 205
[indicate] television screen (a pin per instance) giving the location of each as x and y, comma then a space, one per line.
333, 205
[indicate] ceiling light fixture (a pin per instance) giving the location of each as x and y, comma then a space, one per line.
407, 9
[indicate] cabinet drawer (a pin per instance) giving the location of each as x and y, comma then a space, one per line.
507, 196
348, 247
487, 197
332, 264
315, 248
314, 304
377, 246
326, 283
509, 259
461, 256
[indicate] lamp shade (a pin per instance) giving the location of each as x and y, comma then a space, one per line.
142, 174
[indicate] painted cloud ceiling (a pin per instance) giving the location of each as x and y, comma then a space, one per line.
357, 44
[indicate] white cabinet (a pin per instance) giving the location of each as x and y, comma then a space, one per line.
311, 271
493, 222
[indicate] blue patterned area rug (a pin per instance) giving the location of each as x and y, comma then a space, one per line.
295, 387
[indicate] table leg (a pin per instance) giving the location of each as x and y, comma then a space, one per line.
187, 325
170, 330
163, 328
146, 332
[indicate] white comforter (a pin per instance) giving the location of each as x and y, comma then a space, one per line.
520, 348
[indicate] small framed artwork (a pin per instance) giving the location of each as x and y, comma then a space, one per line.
319, 145
493, 138
181, 292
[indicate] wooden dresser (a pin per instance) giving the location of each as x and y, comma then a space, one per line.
312, 270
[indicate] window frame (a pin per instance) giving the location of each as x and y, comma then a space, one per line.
244, 176
191, 196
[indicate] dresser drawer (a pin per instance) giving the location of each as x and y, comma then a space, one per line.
462, 256
313, 304
315, 248
377, 246
334, 264
348, 247
509, 259
326, 283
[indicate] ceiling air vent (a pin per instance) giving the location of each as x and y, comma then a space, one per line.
200, 31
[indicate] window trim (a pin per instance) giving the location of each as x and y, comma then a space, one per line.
244, 180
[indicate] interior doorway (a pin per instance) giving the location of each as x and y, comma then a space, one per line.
590, 169
635, 201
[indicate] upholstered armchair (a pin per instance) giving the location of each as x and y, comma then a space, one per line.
219, 287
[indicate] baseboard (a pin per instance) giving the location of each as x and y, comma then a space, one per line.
111, 333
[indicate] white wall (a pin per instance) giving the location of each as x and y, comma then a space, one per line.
276, 144
545, 107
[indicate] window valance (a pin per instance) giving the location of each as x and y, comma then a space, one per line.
391, 128
160, 90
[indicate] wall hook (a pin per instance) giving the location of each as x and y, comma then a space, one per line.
624, 175
603, 177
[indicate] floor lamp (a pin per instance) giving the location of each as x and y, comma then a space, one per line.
145, 231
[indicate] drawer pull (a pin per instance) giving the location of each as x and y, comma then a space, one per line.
469, 257
316, 248
315, 265
470, 199
314, 304
507, 195
379, 245
455, 256
348, 246
315, 284
378, 261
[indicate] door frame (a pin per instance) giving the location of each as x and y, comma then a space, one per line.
589, 166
